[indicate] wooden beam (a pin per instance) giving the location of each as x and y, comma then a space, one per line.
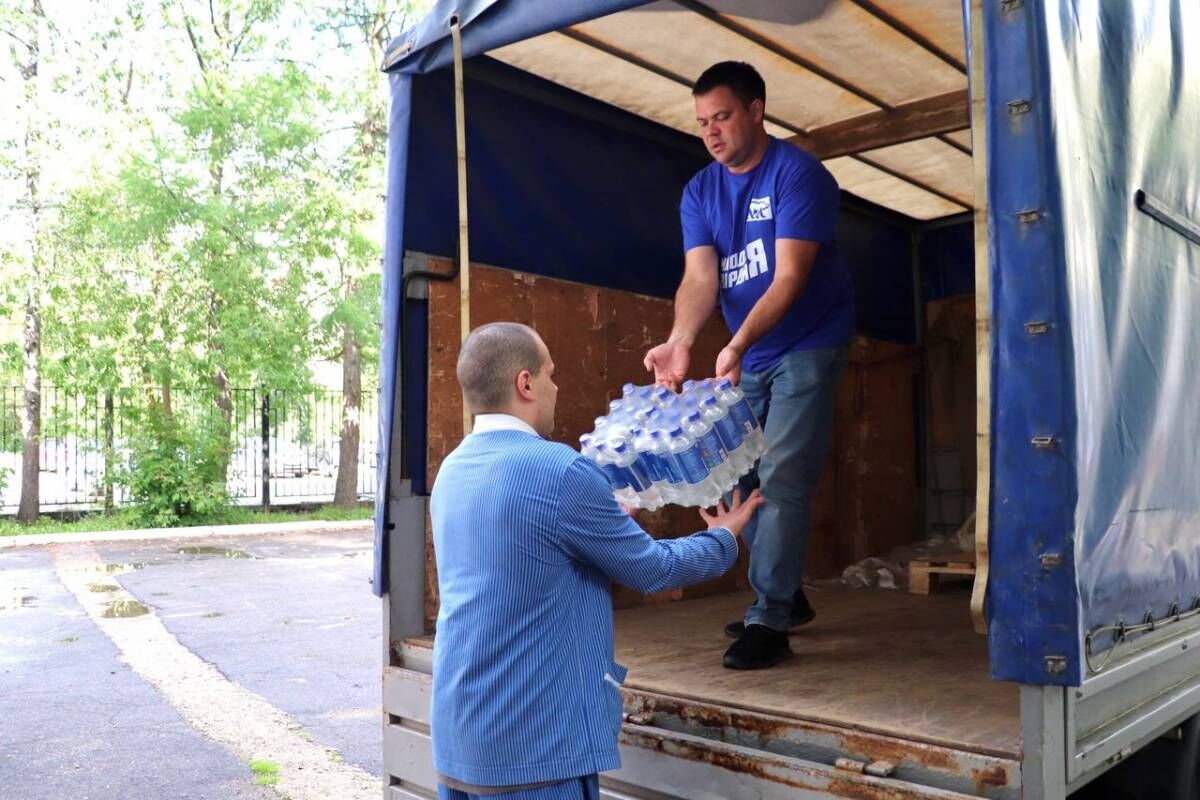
917, 120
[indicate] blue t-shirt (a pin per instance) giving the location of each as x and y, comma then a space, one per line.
789, 195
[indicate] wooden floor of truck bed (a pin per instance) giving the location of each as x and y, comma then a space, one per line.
876, 660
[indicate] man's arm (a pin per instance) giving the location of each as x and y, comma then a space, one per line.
794, 259
694, 303
697, 294
592, 529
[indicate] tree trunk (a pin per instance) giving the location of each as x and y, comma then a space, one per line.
224, 401
345, 492
31, 419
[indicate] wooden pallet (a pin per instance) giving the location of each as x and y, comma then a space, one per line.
922, 571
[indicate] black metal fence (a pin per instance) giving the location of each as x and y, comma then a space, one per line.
284, 446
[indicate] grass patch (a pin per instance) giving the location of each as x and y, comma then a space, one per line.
266, 772
124, 520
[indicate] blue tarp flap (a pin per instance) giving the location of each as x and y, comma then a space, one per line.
1134, 288
389, 361
1096, 435
1033, 624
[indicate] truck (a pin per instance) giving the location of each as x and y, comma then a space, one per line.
1026, 164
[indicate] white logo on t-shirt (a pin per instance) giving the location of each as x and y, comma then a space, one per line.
760, 209
739, 267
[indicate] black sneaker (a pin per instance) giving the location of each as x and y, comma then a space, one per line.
802, 614
758, 648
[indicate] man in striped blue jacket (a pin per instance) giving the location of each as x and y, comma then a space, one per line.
526, 698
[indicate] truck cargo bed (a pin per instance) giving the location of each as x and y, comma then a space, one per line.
888, 695
874, 660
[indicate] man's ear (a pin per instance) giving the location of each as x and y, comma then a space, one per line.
758, 110
525, 384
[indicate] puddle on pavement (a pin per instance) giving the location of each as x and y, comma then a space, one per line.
103, 587
213, 615
209, 550
16, 601
117, 569
124, 608
103, 569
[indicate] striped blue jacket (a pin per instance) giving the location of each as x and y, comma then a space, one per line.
527, 536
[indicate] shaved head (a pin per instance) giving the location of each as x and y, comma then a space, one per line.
490, 360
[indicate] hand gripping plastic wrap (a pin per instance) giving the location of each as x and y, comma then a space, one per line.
659, 447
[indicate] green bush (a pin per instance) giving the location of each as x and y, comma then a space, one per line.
176, 471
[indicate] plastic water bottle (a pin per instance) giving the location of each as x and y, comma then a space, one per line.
734, 399
663, 397
697, 485
618, 477
648, 457
712, 451
672, 475
731, 436
587, 445
640, 483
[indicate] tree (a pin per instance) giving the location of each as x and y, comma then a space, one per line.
27, 29
55, 68
362, 27
199, 247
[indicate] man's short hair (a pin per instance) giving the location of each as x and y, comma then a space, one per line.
738, 76
490, 359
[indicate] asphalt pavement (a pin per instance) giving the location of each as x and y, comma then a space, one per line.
119, 662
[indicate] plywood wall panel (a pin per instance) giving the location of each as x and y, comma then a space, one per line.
867, 497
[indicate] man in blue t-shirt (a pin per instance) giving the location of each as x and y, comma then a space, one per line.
759, 234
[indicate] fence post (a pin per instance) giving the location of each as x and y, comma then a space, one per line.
109, 455
266, 447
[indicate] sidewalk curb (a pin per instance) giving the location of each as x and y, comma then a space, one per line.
196, 532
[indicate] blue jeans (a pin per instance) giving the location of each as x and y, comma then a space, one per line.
794, 402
